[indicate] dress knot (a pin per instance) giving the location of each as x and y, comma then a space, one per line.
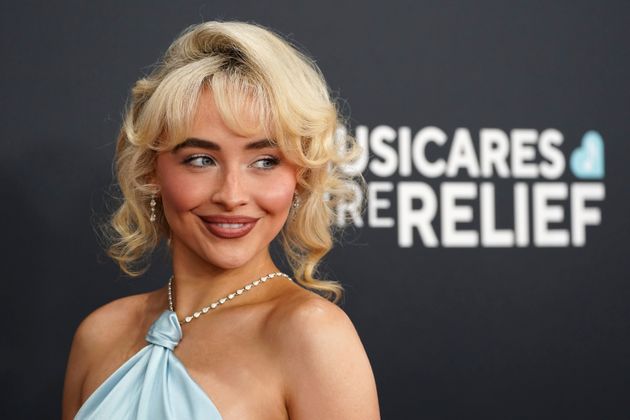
165, 331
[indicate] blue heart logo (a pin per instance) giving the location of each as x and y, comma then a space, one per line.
587, 161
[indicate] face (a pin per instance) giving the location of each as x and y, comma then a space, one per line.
224, 196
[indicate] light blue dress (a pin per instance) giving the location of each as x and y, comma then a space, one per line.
152, 385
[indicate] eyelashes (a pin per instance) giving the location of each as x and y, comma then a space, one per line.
203, 161
266, 163
199, 161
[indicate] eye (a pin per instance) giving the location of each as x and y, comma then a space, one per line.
268, 162
199, 161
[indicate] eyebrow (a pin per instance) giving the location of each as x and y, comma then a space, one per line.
210, 145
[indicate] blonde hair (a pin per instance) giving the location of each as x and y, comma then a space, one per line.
251, 69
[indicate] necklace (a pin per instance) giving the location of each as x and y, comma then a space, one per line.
221, 301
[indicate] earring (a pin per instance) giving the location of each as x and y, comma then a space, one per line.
296, 201
152, 204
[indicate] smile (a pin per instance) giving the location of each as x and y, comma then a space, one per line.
231, 225
228, 227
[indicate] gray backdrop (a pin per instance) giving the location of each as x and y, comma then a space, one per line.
535, 329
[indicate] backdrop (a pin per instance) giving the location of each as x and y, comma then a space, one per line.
488, 276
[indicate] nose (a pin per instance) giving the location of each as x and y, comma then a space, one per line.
230, 193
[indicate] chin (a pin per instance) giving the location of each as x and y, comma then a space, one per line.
228, 265
229, 262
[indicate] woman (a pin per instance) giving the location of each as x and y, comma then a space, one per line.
227, 144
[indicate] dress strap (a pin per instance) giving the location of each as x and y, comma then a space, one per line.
165, 331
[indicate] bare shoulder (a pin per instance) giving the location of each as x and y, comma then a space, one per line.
325, 368
95, 324
305, 313
95, 333
93, 339
126, 313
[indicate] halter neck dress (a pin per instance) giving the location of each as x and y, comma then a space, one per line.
152, 385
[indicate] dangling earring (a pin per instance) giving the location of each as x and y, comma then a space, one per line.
152, 204
296, 201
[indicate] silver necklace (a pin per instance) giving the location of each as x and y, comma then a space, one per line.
221, 301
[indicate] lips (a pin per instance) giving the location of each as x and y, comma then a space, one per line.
229, 227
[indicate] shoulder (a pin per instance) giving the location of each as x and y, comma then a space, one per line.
96, 329
95, 334
93, 339
125, 319
307, 317
326, 371
303, 318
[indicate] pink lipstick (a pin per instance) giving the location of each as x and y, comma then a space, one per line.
229, 227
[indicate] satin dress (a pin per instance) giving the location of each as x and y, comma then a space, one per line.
152, 385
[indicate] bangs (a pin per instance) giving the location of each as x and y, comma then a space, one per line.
241, 101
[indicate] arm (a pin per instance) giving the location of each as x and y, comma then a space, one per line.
92, 340
75, 374
328, 374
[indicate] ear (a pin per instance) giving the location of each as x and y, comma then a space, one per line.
152, 181
152, 178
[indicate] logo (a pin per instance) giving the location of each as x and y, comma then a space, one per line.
451, 191
587, 161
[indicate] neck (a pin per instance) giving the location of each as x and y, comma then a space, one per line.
198, 283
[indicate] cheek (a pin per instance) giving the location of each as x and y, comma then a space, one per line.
276, 195
174, 197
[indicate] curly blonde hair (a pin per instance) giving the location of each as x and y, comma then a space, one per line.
248, 68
